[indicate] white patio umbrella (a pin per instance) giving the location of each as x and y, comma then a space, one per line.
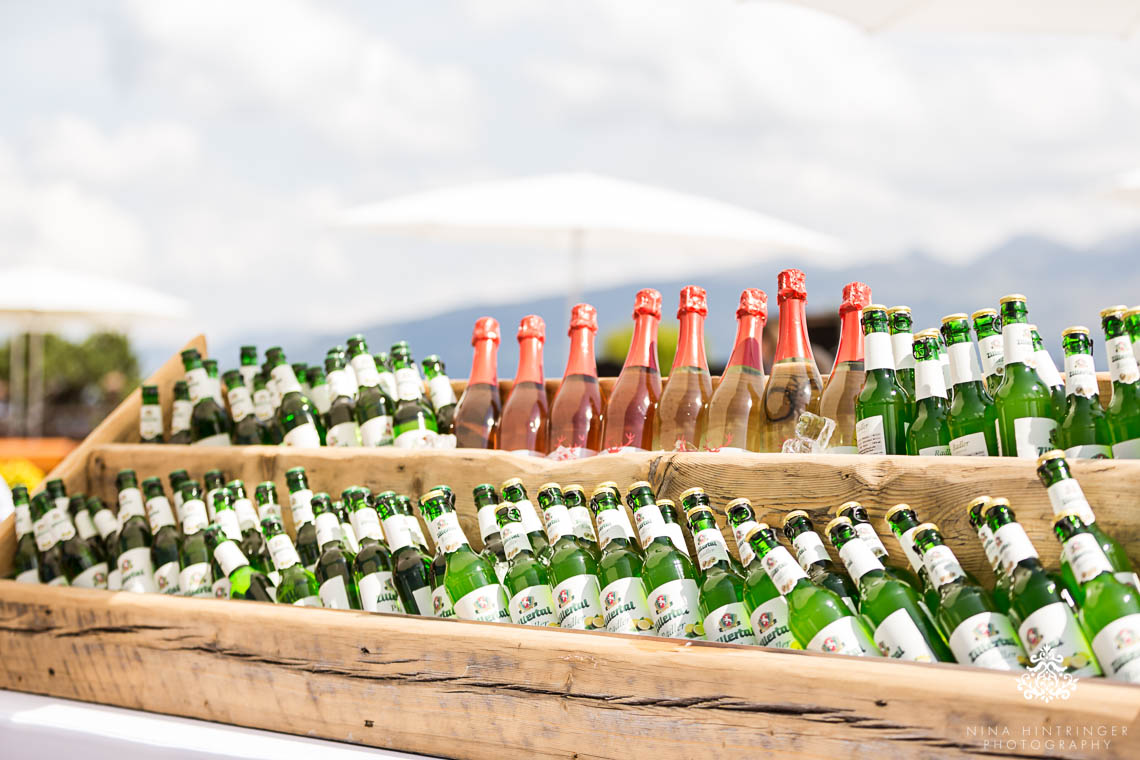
657, 230
39, 299
1108, 18
1127, 187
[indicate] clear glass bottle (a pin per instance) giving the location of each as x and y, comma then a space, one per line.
576, 414
735, 411
846, 378
477, 413
632, 406
523, 425
794, 385
680, 421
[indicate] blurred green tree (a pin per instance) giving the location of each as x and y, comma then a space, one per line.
615, 345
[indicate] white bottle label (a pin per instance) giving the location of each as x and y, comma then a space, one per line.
229, 557
928, 380
993, 357
840, 449
262, 405
769, 624
24, 520
809, 549
221, 439
987, 640
301, 503
963, 363
534, 605
115, 579
193, 515
105, 522
304, 436
1080, 376
942, 566
558, 525
241, 403
989, 546
578, 603
583, 525
844, 636
650, 524
1086, 558
675, 609
1047, 369
624, 607
613, 523
409, 386
784, 571
1117, 647
159, 513
486, 518
227, 518
711, 547
130, 504
136, 571
1017, 343
166, 579
447, 533
673, 530
1126, 449
515, 539
333, 593
530, 519
969, 445
29, 576
1013, 545
441, 393
150, 421
343, 434
934, 451
198, 384
378, 593
180, 414
441, 604
422, 596
1088, 451
487, 604
59, 580
899, 638
739, 534
377, 431
319, 395
1121, 361
52, 528
285, 381
869, 435
195, 580
902, 346
246, 514
729, 625
221, 588
328, 528
877, 351
397, 533
858, 559
420, 438
1066, 496
866, 532
1055, 626
364, 366
282, 551
1033, 436
340, 384
96, 576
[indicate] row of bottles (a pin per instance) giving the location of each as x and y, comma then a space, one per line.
578, 563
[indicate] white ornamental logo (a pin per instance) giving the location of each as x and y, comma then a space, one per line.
1047, 679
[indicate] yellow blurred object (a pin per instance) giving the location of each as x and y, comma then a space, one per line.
21, 472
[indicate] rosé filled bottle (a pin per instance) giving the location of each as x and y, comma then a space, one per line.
794, 385
735, 413
632, 406
477, 413
522, 428
576, 414
846, 378
681, 411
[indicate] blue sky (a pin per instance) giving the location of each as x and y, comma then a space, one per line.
202, 147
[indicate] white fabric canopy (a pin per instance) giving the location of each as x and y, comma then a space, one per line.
1127, 187
1109, 18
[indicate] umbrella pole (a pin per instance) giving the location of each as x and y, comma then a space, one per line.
17, 380
35, 384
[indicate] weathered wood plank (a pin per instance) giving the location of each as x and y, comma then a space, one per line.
937, 487
472, 690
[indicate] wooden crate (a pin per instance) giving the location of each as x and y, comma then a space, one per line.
473, 690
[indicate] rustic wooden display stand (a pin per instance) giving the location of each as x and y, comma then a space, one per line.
474, 690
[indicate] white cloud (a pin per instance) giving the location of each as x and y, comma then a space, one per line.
75, 147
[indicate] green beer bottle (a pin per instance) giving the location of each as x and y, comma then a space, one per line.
902, 337
338, 589
1065, 495
441, 392
1024, 404
298, 418
195, 575
215, 481
413, 421
410, 574
1110, 613
976, 514
1132, 326
817, 617
166, 543
725, 617
674, 596
244, 582
266, 412
469, 580
979, 635
266, 495
304, 521
247, 360
1047, 371
181, 413
766, 606
486, 504
77, 509
1038, 605
742, 520
341, 510
253, 543
26, 561
903, 627
527, 583
574, 496
387, 376
1124, 408
440, 602
209, 423
150, 416
903, 522
944, 359
573, 569
861, 523
316, 387
987, 326
404, 507
250, 540
108, 526
301, 370
211, 367
373, 405
1084, 430
135, 564
972, 418
514, 493
883, 407
246, 429
177, 478
624, 607
929, 436
48, 524
298, 586
814, 559
673, 526
83, 566
340, 417
57, 493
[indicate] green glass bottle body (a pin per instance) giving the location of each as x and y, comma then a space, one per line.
527, 582
857, 514
514, 493
135, 564
976, 514
902, 337
338, 589
195, 561
166, 543
812, 555
903, 522
108, 526
486, 502
246, 429
1084, 432
441, 392
742, 520
244, 582
987, 327
297, 416
669, 576
470, 582
573, 570
929, 435
340, 418
298, 586
304, 520
724, 617
209, 423
150, 416
1123, 411
411, 567
266, 412
181, 412
374, 406
1024, 404
574, 496
971, 417
766, 606
623, 594
413, 421
25, 563
882, 408
1047, 371
77, 509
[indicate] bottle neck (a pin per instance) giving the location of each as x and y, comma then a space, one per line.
691, 342
530, 362
643, 347
484, 367
793, 342
850, 339
748, 349
581, 361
